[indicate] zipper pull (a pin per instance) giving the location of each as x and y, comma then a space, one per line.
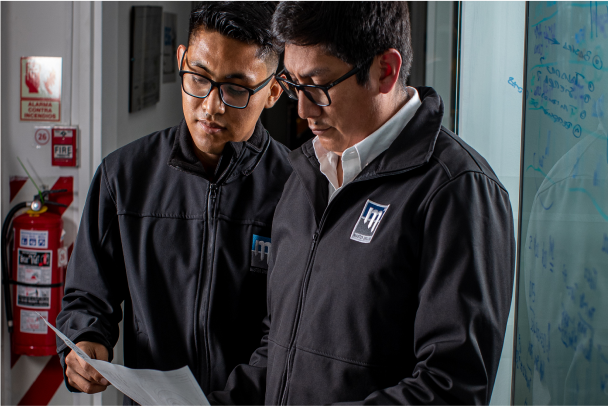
213, 191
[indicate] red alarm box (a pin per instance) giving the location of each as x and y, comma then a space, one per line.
65, 146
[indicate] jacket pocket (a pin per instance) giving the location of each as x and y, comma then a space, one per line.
319, 380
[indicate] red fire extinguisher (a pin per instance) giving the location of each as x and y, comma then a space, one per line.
39, 260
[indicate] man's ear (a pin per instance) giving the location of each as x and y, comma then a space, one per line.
390, 65
180, 51
274, 94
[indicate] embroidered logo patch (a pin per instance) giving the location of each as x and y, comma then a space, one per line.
368, 222
260, 250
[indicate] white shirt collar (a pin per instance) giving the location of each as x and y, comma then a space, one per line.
357, 157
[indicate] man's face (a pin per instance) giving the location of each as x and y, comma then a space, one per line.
347, 120
222, 59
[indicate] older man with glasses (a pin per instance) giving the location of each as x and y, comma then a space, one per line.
177, 225
392, 270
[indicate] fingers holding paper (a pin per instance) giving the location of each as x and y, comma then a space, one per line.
83, 376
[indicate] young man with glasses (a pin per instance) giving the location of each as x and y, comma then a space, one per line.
177, 225
391, 278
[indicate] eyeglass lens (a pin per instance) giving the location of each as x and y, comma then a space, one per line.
199, 86
314, 94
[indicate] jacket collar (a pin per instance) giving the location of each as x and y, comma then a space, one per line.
416, 143
413, 147
244, 156
306, 166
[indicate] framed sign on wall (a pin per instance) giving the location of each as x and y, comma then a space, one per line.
146, 29
40, 88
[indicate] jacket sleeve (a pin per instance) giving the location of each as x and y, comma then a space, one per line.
95, 280
465, 288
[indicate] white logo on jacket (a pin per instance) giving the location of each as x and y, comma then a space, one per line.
261, 246
368, 221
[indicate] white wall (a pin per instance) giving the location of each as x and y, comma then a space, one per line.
120, 127
93, 38
66, 30
490, 112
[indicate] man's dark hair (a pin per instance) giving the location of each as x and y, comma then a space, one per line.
351, 31
248, 22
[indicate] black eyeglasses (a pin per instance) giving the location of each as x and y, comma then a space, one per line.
233, 95
318, 94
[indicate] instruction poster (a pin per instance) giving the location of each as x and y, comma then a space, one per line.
40, 88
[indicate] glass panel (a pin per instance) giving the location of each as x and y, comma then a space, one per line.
282, 120
561, 355
441, 36
492, 49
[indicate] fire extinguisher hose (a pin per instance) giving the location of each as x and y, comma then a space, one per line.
5, 266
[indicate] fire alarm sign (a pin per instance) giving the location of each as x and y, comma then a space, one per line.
64, 146
41, 88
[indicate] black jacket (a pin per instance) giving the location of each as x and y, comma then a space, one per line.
177, 250
415, 315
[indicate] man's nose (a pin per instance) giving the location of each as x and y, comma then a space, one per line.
306, 108
213, 104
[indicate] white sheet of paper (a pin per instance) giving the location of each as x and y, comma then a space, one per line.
147, 387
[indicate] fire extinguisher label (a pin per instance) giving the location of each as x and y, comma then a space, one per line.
62, 257
34, 239
35, 267
31, 323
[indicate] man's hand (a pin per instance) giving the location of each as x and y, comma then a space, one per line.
81, 375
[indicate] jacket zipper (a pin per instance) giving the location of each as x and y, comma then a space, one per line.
204, 286
208, 248
214, 188
208, 268
291, 353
